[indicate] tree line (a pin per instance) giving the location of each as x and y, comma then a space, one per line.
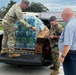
34, 7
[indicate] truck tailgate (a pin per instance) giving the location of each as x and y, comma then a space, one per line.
24, 59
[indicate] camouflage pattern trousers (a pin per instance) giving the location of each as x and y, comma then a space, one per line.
55, 56
8, 37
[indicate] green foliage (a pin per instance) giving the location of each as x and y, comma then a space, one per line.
37, 7
10, 5
34, 7
4, 10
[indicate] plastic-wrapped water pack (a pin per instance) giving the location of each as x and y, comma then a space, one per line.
25, 37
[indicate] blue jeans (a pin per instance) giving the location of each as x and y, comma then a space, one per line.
69, 64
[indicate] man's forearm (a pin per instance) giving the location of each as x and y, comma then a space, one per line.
65, 50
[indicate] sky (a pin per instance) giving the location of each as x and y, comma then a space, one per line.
52, 5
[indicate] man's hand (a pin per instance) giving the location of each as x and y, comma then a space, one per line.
52, 37
34, 28
61, 59
47, 35
64, 53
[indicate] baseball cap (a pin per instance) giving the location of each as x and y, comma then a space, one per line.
52, 18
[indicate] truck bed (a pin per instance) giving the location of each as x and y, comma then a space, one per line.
26, 58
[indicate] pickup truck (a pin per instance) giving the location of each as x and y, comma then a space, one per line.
34, 51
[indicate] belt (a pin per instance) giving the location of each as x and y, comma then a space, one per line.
72, 51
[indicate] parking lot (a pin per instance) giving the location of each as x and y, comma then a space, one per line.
25, 70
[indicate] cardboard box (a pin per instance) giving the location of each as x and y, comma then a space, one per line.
43, 33
39, 48
40, 40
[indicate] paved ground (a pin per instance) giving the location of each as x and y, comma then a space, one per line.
27, 70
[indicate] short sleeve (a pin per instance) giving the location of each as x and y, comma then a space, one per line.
68, 35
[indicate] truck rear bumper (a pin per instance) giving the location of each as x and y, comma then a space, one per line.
22, 60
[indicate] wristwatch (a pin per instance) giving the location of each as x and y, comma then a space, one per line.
31, 27
62, 56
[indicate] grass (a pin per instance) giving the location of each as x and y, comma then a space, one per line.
1, 28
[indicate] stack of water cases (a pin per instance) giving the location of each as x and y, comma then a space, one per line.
25, 37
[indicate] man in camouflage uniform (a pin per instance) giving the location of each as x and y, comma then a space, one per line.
55, 32
8, 23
